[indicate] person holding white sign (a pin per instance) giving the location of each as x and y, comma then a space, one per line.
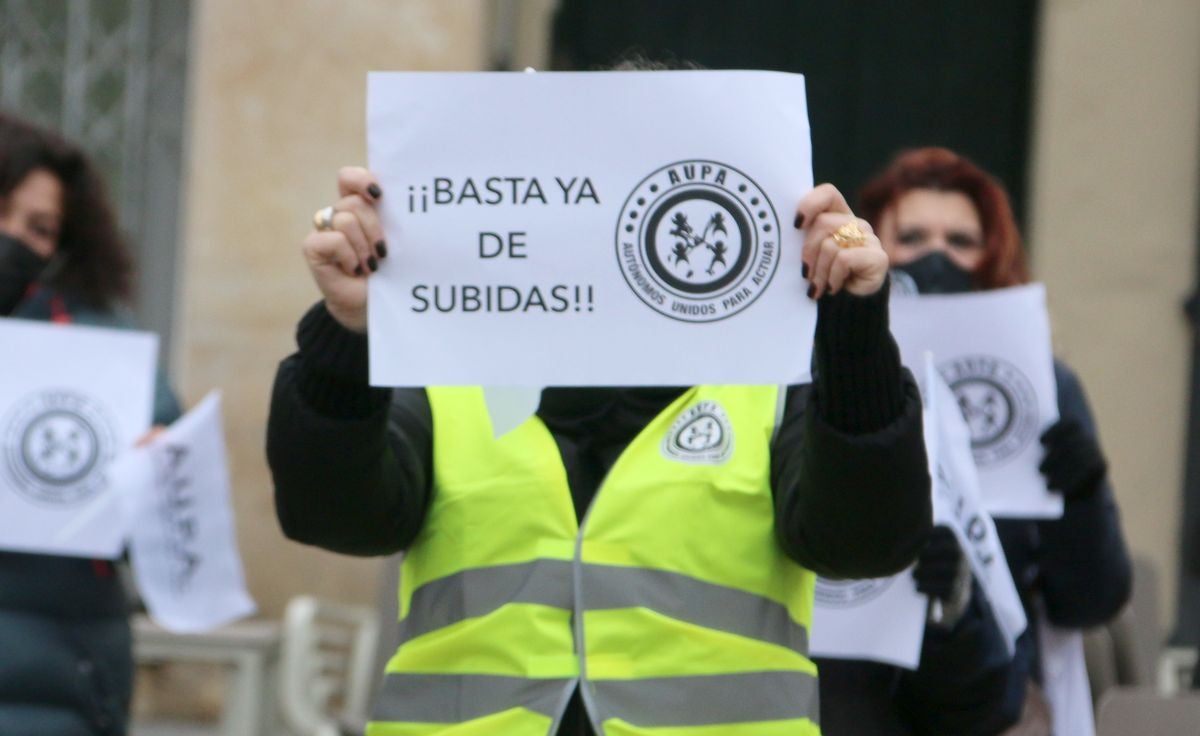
960, 683
957, 682
697, 563
948, 226
66, 651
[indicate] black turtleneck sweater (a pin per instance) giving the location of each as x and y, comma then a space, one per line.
352, 464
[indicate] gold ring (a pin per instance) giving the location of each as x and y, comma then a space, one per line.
850, 235
323, 218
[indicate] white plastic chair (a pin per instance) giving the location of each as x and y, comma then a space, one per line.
326, 663
1175, 668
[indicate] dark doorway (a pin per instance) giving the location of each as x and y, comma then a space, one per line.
881, 75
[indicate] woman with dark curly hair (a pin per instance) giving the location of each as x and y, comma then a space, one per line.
948, 224
55, 203
66, 665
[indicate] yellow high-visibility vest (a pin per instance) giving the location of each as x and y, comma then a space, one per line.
671, 607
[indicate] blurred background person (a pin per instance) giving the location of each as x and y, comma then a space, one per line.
948, 225
961, 683
66, 664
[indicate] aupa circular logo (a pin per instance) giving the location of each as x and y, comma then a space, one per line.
998, 403
56, 442
698, 241
701, 435
849, 593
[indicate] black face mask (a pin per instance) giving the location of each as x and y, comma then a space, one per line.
19, 267
937, 274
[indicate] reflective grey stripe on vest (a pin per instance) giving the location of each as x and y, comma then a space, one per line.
459, 698
707, 699
479, 591
695, 601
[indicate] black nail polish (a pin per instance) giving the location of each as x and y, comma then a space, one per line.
372, 264
799, 222
381, 249
358, 270
374, 191
812, 291
804, 270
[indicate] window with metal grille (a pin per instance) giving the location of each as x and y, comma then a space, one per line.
110, 75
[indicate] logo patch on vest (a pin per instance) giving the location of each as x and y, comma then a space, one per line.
701, 435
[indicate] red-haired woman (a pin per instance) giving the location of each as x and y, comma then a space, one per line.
66, 663
931, 200
948, 225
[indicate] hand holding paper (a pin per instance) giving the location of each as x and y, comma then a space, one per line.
829, 264
345, 247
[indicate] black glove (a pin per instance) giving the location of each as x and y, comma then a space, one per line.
938, 564
942, 573
1074, 464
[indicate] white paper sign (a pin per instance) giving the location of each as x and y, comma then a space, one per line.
591, 228
993, 348
881, 619
183, 546
956, 503
71, 399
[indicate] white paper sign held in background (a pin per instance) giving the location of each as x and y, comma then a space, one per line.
183, 545
993, 349
956, 503
879, 619
71, 399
